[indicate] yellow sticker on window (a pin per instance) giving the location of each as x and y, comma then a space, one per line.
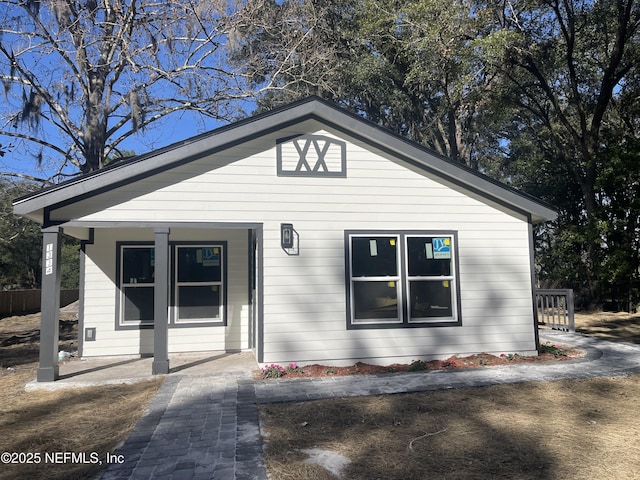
216, 251
214, 288
447, 241
392, 242
391, 284
445, 284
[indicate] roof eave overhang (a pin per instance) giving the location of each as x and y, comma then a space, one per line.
532, 208
163, 159
34, 205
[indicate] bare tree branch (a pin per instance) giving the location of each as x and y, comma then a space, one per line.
91, 74
24, 176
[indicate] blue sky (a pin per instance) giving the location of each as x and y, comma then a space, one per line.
174, 128
29, 53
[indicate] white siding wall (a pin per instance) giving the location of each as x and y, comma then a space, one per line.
304, 295
100, 297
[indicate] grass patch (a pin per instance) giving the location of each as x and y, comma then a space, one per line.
80, 420
568, 429
571, 429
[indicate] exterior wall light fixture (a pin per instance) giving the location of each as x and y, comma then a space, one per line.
286, 235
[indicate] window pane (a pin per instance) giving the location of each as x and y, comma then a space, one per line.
199, 264
429, 256
137, 265
374, 256
199, 302
375, 300
138, 304
430, 299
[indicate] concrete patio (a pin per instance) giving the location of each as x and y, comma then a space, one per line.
88, 372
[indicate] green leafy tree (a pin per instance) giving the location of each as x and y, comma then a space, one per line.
542, 94
70, 263
409, 66
618, 186
21, 245
570, 69
20, 241
442, 94
291, 49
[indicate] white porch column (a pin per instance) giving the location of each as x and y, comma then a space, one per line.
50, 305
161, 303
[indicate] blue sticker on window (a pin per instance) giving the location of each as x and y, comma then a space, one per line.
442, 247
211, 257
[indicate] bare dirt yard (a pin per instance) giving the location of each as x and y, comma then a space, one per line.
89, 421
573, 429
612, 326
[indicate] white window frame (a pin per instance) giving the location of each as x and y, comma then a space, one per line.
387, 278
126, 285
403, 280
432, 278
219, 283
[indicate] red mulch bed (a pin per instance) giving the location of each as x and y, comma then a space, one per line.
452, 363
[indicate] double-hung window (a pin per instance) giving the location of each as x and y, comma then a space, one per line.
197, 284
136, 275
375, 279
402, 279
431, 284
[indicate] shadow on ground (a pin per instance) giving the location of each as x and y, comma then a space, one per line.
20, 339
623, 329
542, 431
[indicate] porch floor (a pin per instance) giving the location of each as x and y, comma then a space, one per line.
95, 371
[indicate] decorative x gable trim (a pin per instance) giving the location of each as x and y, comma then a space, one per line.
311, 156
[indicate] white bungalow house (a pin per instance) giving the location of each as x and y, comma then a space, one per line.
305, 234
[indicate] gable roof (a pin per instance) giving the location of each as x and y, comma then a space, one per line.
36, 204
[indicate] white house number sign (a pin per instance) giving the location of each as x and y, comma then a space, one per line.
48, 259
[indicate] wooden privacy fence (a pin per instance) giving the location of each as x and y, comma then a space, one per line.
555, 309
13, 302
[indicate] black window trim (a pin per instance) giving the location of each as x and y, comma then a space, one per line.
121, 325
404, 282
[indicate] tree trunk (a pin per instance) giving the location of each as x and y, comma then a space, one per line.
95, 133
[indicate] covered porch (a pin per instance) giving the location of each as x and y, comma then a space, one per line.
195, 297
98, 371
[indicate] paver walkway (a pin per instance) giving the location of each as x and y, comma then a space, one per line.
196, 427
206, 427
